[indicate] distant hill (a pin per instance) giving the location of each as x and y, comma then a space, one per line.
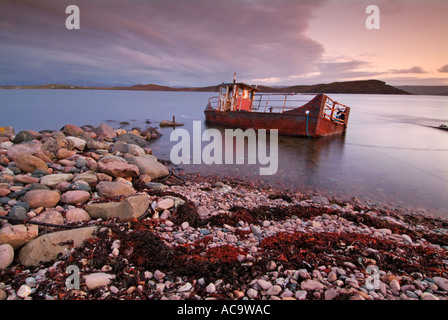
351, 87
426, 90
44, 86
366, 87
145, 87
156, 87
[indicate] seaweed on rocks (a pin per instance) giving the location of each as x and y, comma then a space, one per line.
186, 212
145, 250
310, 250
256, 215
395, 227
282, 196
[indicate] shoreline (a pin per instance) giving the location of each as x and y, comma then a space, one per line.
137, 229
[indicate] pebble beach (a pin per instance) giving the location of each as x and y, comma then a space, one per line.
89, 213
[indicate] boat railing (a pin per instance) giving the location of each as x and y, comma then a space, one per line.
281, 102
264, 102
335, 111
214, 103
275, 102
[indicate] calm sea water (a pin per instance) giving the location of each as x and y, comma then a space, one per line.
389, 155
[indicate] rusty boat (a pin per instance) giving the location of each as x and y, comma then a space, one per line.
240, 105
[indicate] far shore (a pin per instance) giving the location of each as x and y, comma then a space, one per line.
348, 87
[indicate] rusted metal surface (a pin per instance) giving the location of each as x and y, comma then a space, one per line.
320, 121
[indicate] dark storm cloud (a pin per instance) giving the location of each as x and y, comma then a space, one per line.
162, 41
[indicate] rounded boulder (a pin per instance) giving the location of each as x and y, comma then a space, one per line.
75, 197
42, 198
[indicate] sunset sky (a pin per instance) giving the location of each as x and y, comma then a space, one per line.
203, 42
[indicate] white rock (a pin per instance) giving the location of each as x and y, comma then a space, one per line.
256, 230
186, 287
311, 285
428, 296
406, 238
316, 224
160, 287
165, 204
252, 293
385, 231
287, 294
320, 200
116, 244
274, 290
113, 289
301, 294
184, 225
211, 288
52, 180
225, 189
303, 273
6, 144
159, 275
263, 284
99, 279
106, 268
203, 212
79, 144
165, 214
31, 282
24, 291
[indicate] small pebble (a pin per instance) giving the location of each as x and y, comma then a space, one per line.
24, 291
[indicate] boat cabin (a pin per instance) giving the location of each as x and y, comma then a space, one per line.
236, 97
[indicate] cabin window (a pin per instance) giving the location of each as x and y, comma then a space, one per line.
223, 90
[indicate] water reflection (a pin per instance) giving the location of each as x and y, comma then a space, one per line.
302, 162
308, 162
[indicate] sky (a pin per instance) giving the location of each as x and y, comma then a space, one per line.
203, 42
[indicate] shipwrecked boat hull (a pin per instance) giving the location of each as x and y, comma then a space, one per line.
294, 125
294, 122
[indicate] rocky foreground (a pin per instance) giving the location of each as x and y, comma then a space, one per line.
89, 213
